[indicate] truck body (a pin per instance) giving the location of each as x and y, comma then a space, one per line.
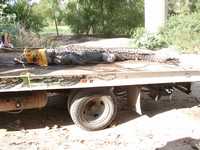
89, 87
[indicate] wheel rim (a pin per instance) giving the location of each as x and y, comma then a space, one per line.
94, 110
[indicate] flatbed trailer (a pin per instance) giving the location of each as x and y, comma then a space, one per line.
91, 102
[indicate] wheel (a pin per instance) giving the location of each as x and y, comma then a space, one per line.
93, 110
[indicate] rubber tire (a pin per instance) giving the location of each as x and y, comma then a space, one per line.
79, 101
70, 98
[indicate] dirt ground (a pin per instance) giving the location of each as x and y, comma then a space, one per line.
165, 125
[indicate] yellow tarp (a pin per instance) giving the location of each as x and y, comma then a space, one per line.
36, 57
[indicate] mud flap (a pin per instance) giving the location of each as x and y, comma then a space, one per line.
134, 96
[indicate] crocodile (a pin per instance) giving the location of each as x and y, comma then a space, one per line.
82, 55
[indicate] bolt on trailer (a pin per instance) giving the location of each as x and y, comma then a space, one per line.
90, 89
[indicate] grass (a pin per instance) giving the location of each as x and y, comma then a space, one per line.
51, 30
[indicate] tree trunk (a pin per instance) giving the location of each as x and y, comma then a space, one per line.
56, 24
102, 13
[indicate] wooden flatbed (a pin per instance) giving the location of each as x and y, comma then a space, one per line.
29, 78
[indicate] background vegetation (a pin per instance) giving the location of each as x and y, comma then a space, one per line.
109, 17
182, 30
100, 17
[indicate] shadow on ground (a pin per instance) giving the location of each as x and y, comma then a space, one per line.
152, 108
182, 144
179, 100
56, 114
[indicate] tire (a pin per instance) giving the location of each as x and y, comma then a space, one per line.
70, 98
93, 110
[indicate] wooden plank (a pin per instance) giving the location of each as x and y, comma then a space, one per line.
119, 67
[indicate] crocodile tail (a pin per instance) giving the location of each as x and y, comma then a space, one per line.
162, 59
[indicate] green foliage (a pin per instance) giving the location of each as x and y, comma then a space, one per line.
138, 32
78, 19
183, 6
142, 39
104, 16
6, 17
26, 17
49, 9
183, 31
52, 11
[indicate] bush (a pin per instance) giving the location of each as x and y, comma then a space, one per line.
183, 6
23, 38
183, 31
26, 38
142, 39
